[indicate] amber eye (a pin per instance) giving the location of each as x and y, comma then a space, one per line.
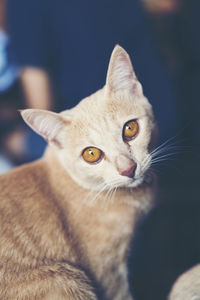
130, 130
92, 155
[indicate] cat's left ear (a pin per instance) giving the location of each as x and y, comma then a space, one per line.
121, 75
48, 124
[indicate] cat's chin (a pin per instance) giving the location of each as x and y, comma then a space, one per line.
146, 179
135, 182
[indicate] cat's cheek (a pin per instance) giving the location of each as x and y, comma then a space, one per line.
86, 175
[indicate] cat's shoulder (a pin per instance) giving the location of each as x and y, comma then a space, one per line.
23, 179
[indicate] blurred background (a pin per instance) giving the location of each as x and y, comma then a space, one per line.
54, 53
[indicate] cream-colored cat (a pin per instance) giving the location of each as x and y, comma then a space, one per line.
66, 221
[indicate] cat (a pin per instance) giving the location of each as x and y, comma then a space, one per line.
66, 220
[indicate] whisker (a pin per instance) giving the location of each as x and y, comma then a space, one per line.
90, 196
113, 195
99, 193
164, 144
107, 196
167, 148
104, 187
164, 160
165, 156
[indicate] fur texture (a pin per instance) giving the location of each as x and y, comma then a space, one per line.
187, 286
66, 224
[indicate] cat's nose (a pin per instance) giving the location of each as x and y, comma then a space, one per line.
130, 171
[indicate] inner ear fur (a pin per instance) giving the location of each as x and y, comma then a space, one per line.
46, 123
120, 75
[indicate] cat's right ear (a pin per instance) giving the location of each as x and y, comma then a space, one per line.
48, 124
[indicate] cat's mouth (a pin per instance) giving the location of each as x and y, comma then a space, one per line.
146, 178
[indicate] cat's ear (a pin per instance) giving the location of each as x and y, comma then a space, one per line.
120, 75
48, 124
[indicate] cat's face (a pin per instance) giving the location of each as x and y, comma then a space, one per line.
104, 141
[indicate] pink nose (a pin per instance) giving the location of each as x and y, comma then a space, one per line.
130, 172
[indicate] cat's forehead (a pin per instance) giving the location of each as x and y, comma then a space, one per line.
100, 109
97, 119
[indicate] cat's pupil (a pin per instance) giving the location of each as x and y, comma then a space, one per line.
91, 152
128, 127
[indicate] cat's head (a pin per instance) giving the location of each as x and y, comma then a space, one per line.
105, 140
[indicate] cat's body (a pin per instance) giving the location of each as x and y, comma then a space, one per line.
45, 226
66, 221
